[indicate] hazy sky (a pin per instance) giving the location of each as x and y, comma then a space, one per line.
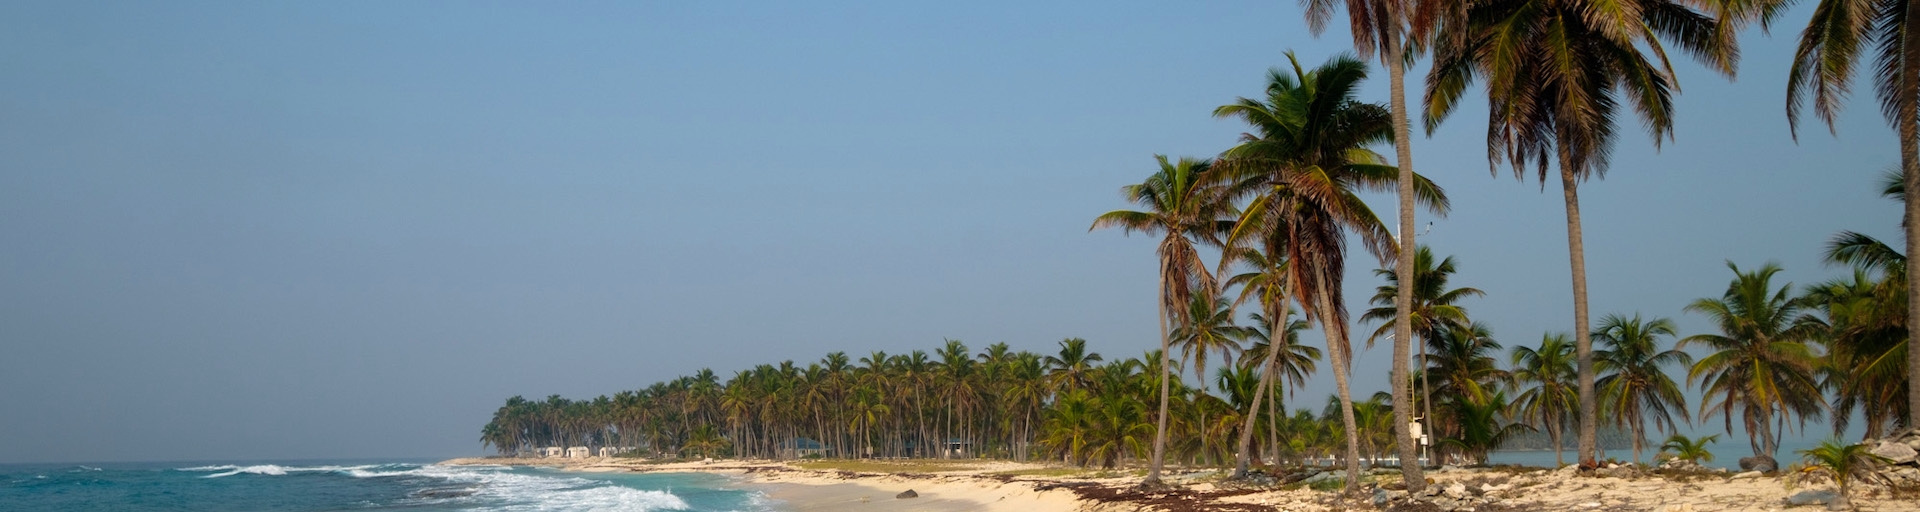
352, 229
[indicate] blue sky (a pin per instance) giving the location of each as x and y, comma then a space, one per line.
351, 229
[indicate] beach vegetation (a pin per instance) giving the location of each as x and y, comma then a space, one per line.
1844, 464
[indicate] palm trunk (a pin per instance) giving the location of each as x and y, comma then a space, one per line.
1166, 368
1909, 127
1338, 348
1583, 341
1403, 267
1276, 336
1553, 432
1273, 425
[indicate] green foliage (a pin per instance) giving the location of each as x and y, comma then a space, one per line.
1841, 463
1679, 446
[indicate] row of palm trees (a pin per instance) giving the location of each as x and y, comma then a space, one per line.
1072, 405
1777, 356
1556, 74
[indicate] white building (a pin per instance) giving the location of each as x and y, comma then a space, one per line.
579, 452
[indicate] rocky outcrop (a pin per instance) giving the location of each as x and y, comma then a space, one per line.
908, 494
1902, 453
1761, 463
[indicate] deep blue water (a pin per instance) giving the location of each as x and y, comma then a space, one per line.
338, 486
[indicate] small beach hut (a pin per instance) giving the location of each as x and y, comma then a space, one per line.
552, 451
800, 448
579, 452
957, 447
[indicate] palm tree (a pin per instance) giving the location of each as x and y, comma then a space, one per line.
1433, 307
1761, 363
1068, 369
1209, 327
1394, 25
1636, 384
1304, 165
1266, 280
1552, 399
1866, 329
1689, 449
1555, 72
1480, 416
1183, 206
1835, 38
1290, 365
1843, 463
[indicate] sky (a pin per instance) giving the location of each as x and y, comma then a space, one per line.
279, 230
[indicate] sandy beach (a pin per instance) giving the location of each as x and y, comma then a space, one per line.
1019, 487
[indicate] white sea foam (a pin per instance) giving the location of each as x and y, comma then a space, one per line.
276, 470
499, 489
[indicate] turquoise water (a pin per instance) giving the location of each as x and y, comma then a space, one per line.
341, 486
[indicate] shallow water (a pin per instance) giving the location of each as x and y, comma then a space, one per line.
333, 486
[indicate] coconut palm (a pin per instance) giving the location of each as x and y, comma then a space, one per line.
1551, 400
1303, 164
1555, 73
1635, 386
1843, 464
1186, 208
1761, 364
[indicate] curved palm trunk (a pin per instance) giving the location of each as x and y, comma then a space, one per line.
1260, 393
1403, 267
1166, 378
1583, 342
1337, 347
1909, 128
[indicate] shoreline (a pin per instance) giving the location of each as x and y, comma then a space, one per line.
1002, 486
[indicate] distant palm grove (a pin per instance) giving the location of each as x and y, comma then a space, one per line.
1251, 248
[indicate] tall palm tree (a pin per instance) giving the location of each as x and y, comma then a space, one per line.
1552, 400
1555, 72
1636, 385
1304, 164
1187, 208
1761, 363
1393, 26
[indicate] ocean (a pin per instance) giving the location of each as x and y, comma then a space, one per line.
359, 485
